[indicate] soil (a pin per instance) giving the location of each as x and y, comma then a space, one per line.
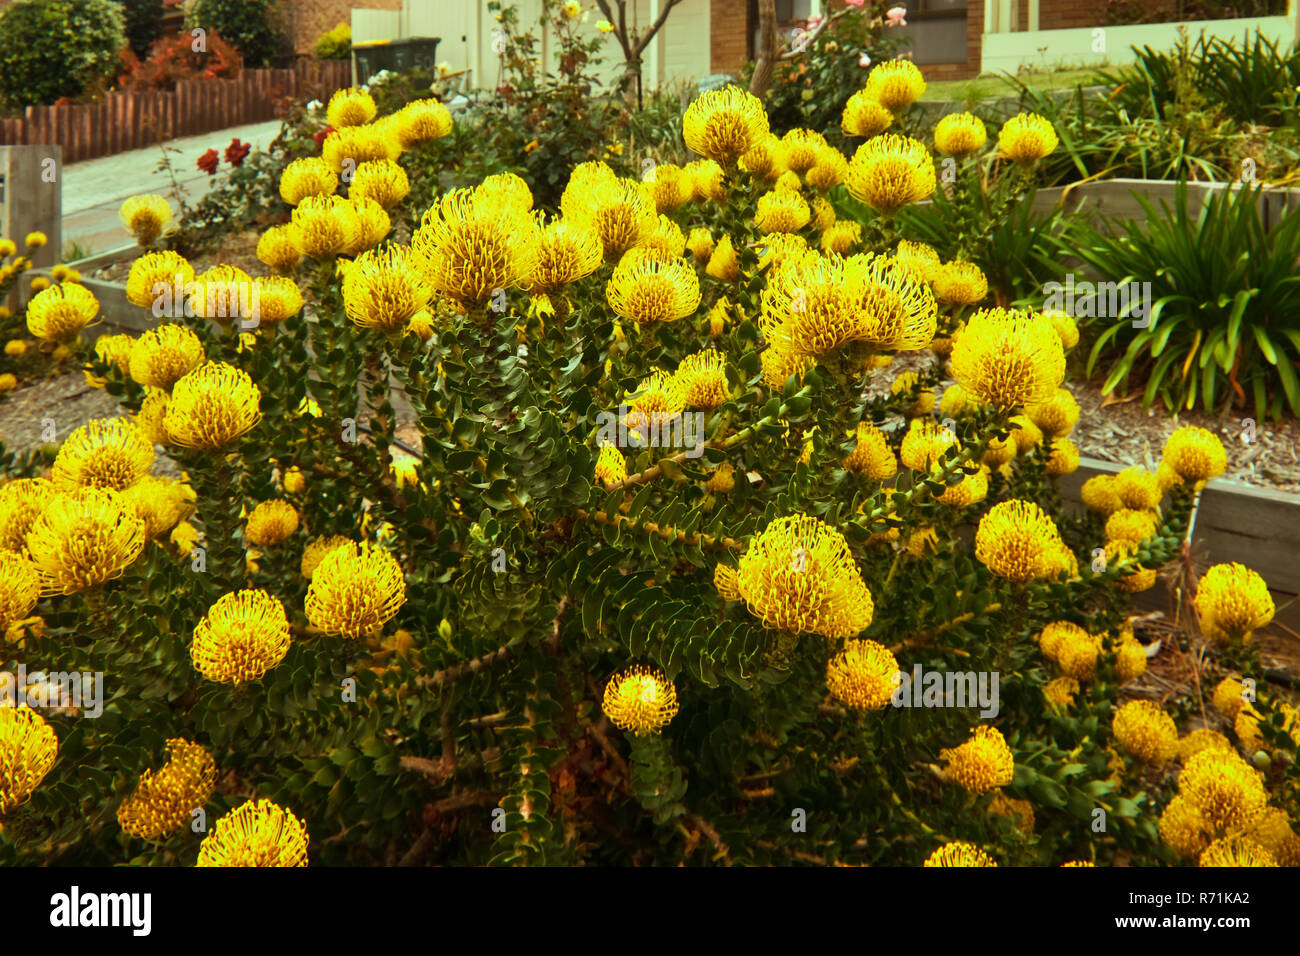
236, 249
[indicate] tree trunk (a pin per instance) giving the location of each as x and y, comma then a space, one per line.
767, 55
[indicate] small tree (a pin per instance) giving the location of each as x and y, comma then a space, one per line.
632, 40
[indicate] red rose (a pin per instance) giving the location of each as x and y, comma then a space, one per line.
208, 162
236, 152
320, 137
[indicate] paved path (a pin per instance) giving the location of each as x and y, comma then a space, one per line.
94, 189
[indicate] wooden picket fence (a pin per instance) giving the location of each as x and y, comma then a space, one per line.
133, 120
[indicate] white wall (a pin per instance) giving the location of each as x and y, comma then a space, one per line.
1102, 46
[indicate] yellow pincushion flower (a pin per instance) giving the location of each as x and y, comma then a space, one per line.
271, 523
724, 124
1065, 328
657, 398
960, 134
160, 503
925, 443
959, 283
303, 178
610, 466
351, 146
959, 854
383, 289
1183, 828
722, 480
895, 84
827, 173
164, 355
1200, 739
1008, 358
110, 453
1135, 577
647, 290
145, 217
1146, 731
1195, 454
800, 150
59, 313
1130, 661
382, 180
871, 456
618, 211
1137, 489
782, 211
1098, 495
355, 591
1271, 829
723, 263
259, 833
565, 254
20, 588
1228, 792
668, 187
908, 382
999, 451
864, 116
1021, 811
150, 418
1024, 433
164, 802
1236, 850
276, 298
890, 171
326, 225
972, 489
350, 107
1060, 692
665, 241
114, 350
1227, 697
1064, 457
84, 538
469, 250
211, 407
1057, 415
222, 293
421, 120
155, 274
919, 257
280, 247
841, 238
1055, 636
1131, 526
863, 675
21, 502
28, 747
798, 575
981, 763
763, 161
243, 635
779, 365
702, 378
316, 551
640, 700
700, 243
1018, 541
373, 224
1026, 138
1232, 601
727, 582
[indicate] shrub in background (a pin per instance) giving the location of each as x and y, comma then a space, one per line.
249, 24
144, 20
50, 49
334, 44
174, 59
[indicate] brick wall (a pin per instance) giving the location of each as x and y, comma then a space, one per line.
974, 33
306, 20
1065, 14
728, 35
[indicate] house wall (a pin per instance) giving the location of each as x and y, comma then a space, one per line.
1070, 14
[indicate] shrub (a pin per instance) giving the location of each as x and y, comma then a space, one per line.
50, 49
689, 647
144, 20
175, 58
249, 24
334, 44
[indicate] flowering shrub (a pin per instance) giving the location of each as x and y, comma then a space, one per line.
50, 49
251, 25
334, 44
173, 59
663, 578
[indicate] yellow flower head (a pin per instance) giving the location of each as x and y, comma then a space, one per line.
610, 466
863, 675
163, 802
640, 700
259, 833
155, 274
798, 575
145, 216
959, 283
960, 134
1008, 358
925, 443
108, 453
648, 290
1227, 791
959, 854
159, 502
1060, 692
722, 480
421, 120
1200, 739
1236, 850
355, 591
890, 171
1195, 454
702, 378
800, 149
764, 161
276, 298
895, 84
222, 293
383, 289
1227, 697
1064, 457
1057, 415
1130, 661
920, 257
381, 180
280, 247
841, 238
373, 224
326, 225
723, 263
1098, 494
1137, 489
350, 107
1018, 541
1146, 731
565, 254
164, 355
864, 116
360, 144
243, 635
211, 407
316, 551
1026, 138
470, 249
782, 211
669, 188
1020, 811
271, 523
1065, 328
972, 488
84, 538
1271, 829
153, 410
700, 244
21, 502
665, 241
20, 588
871, 456
724, 124
981, 763
1183, 828
1232, 601
28, 747
1132, 526
310, 176
618, 211
59, 313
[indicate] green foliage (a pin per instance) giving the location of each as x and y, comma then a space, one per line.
1225, 316
334, 44
144, 20
50, 49
249, 24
